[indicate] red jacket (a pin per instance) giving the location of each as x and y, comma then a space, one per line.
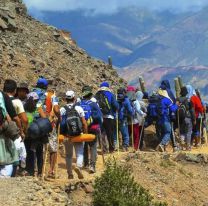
199, 109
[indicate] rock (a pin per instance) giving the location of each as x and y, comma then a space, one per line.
3, 25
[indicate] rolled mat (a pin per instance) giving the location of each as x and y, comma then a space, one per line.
80, 138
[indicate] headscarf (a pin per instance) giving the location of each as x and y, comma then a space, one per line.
139, 95
164, 93
191, 91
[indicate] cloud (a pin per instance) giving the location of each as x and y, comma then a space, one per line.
111, 6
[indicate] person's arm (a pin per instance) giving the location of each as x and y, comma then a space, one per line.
22, 115
84, 124
129, 107
41, 112
138, 108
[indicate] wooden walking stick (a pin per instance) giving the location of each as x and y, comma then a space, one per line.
117, 137
45, 161
200, 131
140, 136
132, 133
56, 167
177, 87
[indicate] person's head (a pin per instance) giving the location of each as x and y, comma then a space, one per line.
184, 92
42, 83
32, 100
10, 86
87, 92
139, 95
191, 91
22, 91
70, 97
165, 84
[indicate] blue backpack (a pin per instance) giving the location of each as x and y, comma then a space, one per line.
85, 104
155, 108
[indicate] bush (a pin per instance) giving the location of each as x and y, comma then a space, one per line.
116, 187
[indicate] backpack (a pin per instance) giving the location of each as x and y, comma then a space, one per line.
103, 103
183, 110
155, 108
87, 110
73, 121
45, 98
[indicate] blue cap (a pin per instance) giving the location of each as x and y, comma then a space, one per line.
104, 84
42, 81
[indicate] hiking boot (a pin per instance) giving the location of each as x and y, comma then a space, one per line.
92, 169
70, 176
176, 149
160, 148
79, 172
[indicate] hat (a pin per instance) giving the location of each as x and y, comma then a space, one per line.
23, 85
86, 91
70, 94
42, 82
33, 95
104, 84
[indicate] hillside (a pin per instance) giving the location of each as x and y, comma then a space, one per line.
29, 48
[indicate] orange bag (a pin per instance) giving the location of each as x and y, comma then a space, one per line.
83, 138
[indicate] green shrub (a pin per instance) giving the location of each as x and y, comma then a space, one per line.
116, 187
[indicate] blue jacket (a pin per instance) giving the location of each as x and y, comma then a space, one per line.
125, 110
112, 102
168, 108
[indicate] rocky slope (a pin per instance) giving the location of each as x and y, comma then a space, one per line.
29, 48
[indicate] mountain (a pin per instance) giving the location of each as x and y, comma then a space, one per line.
141, 41
29, 48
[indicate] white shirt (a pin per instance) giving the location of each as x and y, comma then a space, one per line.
18, 106
77, 108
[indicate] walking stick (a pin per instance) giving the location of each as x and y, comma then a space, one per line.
179, 132
56, 167
117, 137
140, 136
132, 133
200, 131
101, 145
45, 160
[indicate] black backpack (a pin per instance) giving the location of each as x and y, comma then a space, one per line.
155, 108
73, 121
103, 103
183, 109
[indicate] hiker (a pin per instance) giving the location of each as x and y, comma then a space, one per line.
187, 119
203, 119
9, 132
165, 85
167, 108
138, 120
108, 105
73, 123
34, 146
199, 111
125, 110
22, 92
10, 87
93, 117
49, 102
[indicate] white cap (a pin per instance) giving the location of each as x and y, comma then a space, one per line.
70, 94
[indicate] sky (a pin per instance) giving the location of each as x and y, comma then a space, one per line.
112, 6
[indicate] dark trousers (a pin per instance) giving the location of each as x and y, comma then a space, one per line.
93, 150
33, 156
109, 126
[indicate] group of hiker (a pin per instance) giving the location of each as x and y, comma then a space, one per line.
31, 122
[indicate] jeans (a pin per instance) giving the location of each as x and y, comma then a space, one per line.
79, 150
186, 130
165, 132
123, 128
93, 150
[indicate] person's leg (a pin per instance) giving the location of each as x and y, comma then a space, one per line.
125, 135
93, 151
86, 158
69, 154
136, 136
53, 160
39, 155
30, 159
79, 149
109, 125
188, 134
